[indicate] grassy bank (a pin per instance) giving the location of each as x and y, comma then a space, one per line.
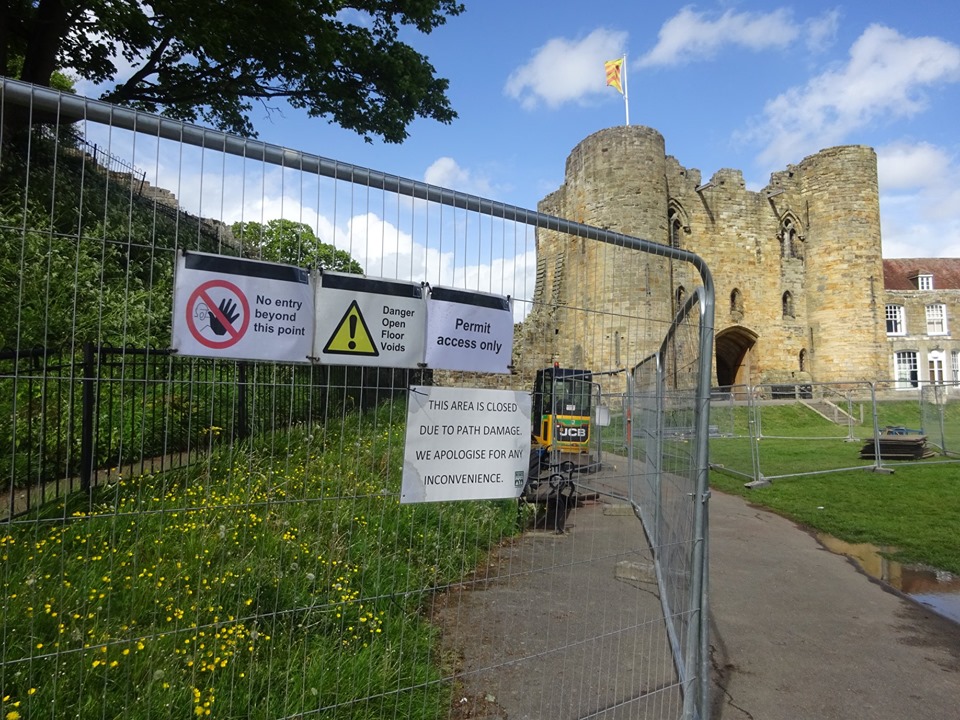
281, 577
916, 509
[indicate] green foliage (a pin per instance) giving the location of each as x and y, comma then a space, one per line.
279, 578
58, 80
291, 242
83, 256
83, 259
71, 288
207, 60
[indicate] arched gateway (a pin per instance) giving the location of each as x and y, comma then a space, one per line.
734, 347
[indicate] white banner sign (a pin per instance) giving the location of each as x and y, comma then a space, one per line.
369, 321
465, 444
469, 331
228, 307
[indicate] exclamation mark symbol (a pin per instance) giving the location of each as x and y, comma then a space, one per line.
353, 331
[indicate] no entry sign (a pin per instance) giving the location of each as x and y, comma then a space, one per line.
229, 307
218, 325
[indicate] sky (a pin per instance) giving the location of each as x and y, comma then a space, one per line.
741, 84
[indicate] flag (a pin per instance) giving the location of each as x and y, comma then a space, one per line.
614, 69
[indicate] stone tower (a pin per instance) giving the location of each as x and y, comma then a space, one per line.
797, 266
844, 266
615, 179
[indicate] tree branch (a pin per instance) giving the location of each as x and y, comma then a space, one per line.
125, 91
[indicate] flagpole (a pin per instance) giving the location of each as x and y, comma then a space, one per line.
626, 102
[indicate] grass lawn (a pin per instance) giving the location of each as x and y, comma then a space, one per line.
916, 509
280, 577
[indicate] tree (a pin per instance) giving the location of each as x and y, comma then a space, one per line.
291, 242
210, 60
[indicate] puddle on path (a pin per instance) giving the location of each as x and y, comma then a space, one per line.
936, 589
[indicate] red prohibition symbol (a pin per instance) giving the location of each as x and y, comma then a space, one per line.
221, 316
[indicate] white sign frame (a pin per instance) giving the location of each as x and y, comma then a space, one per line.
235, 308
366, 321
465, 444
470, 331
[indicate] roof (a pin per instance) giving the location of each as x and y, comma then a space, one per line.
898, 273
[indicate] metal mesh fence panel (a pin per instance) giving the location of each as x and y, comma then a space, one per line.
940, 417
668, 488
812, 429
221, 537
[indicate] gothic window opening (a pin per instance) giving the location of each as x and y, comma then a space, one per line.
736, 305
802, 360
676, 226
791, 239
681, 295
788, 305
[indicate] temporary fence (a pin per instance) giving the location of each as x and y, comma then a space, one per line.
793, 430
670, 409
728, 414
222, 535
940, 416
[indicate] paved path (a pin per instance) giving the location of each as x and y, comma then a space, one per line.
552, 629
799, 632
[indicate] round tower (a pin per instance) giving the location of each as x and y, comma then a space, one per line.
844, 264
594, 301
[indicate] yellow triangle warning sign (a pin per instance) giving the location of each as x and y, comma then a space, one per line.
352, 336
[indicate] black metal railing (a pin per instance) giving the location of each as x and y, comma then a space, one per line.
77, 418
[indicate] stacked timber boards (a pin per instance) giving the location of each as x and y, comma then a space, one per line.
898, 447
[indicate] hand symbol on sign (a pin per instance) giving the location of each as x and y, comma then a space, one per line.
229, 309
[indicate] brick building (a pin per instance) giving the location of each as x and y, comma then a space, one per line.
922, 311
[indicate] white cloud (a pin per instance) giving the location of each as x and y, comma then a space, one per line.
386, 251
445, 172
389, 236
821, 32
911, 235
908, 165
918, 200
565, 70
887, 76
690, 35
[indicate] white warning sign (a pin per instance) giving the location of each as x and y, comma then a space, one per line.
465, 444
227, 307
369, 321
469, 331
